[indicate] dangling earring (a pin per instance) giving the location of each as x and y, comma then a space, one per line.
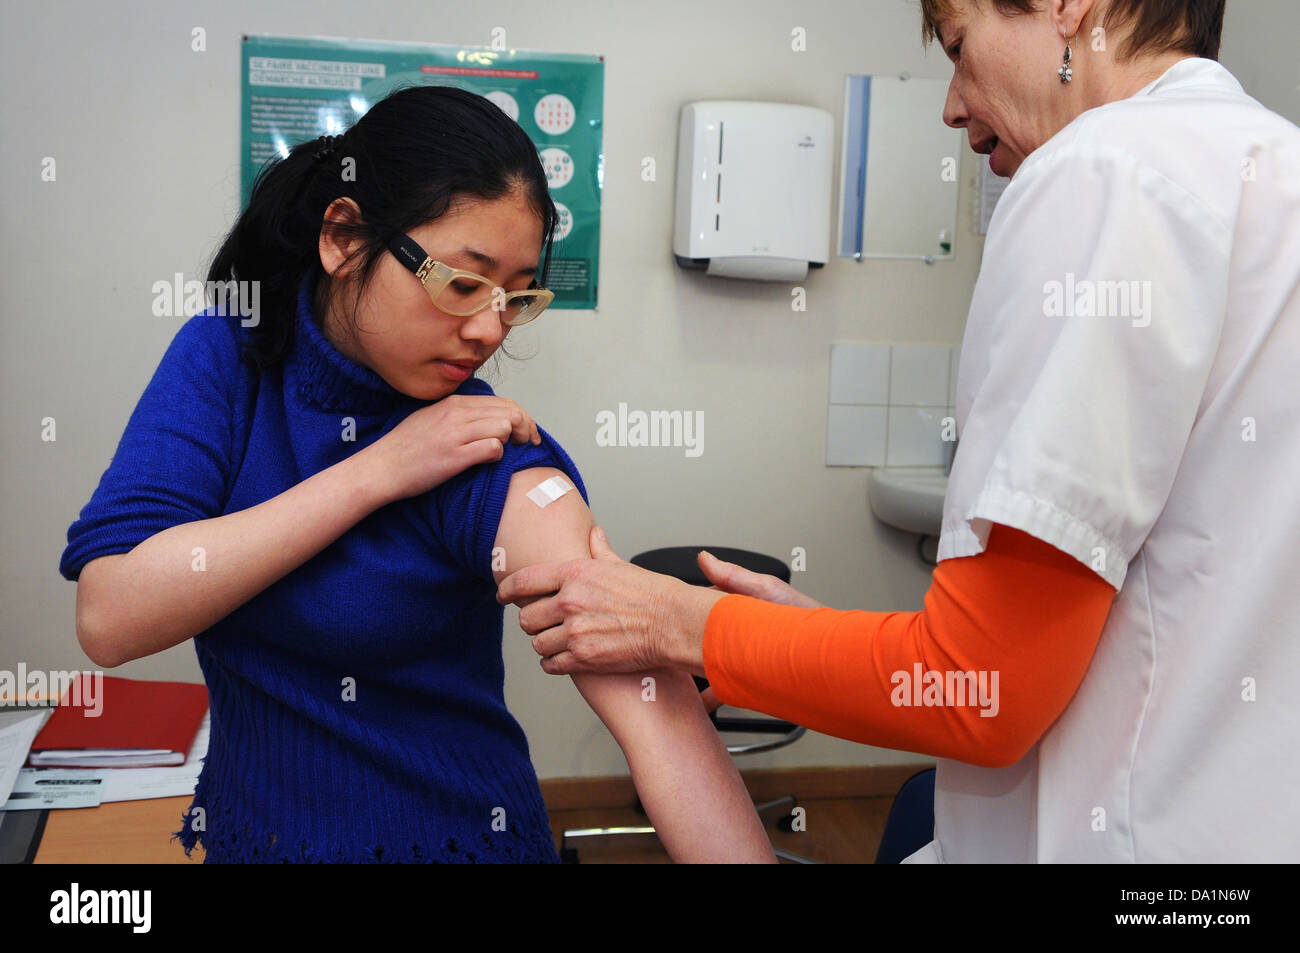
1065, 72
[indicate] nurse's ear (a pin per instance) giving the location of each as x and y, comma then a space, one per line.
337, 245
1067, 16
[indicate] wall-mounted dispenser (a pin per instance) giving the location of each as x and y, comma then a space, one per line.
753, 189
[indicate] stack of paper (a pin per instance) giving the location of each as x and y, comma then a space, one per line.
121, 723
17, 729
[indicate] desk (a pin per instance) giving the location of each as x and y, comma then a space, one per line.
119, 832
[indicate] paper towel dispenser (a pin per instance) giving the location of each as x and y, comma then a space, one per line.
753, 189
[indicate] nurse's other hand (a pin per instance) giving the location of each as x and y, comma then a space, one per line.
730, 577
607, 615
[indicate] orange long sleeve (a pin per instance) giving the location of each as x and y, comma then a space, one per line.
978, 675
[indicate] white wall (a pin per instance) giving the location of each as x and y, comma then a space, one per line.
145, 133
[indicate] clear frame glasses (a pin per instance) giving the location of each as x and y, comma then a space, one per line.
464, 293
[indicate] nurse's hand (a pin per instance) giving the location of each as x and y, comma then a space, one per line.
606, 615
730, 577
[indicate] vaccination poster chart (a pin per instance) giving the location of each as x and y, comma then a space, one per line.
297, 88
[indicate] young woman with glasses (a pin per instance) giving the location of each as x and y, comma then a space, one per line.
324, 500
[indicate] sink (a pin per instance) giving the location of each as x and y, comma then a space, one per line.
909, 498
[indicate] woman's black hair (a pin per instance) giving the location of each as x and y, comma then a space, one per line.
414, 152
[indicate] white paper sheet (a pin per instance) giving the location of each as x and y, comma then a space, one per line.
139, 784
37, 789
17, 732
87, 787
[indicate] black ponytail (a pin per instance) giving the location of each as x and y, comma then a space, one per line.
414, 152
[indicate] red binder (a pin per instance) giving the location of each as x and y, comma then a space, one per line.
120, 722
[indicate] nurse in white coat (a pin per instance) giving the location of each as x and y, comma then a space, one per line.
1127, 394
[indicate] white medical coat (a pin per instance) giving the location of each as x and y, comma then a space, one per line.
1129, 391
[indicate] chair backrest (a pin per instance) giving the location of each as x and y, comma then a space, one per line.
681, 562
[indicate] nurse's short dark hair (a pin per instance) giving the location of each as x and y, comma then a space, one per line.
1155, 26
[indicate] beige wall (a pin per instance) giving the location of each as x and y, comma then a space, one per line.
145, 133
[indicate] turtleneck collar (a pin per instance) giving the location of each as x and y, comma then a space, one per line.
319, 374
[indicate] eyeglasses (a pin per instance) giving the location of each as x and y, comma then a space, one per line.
464, 293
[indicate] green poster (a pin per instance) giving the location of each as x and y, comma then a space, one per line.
296, 88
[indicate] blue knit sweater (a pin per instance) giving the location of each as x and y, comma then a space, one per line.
357, 703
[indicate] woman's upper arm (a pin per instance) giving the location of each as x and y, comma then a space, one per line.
529, 534
173, 462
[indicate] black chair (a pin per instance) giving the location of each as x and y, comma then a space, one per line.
680, 562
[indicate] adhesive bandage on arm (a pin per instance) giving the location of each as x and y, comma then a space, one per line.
548, 491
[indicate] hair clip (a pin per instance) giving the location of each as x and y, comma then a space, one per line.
326, 146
